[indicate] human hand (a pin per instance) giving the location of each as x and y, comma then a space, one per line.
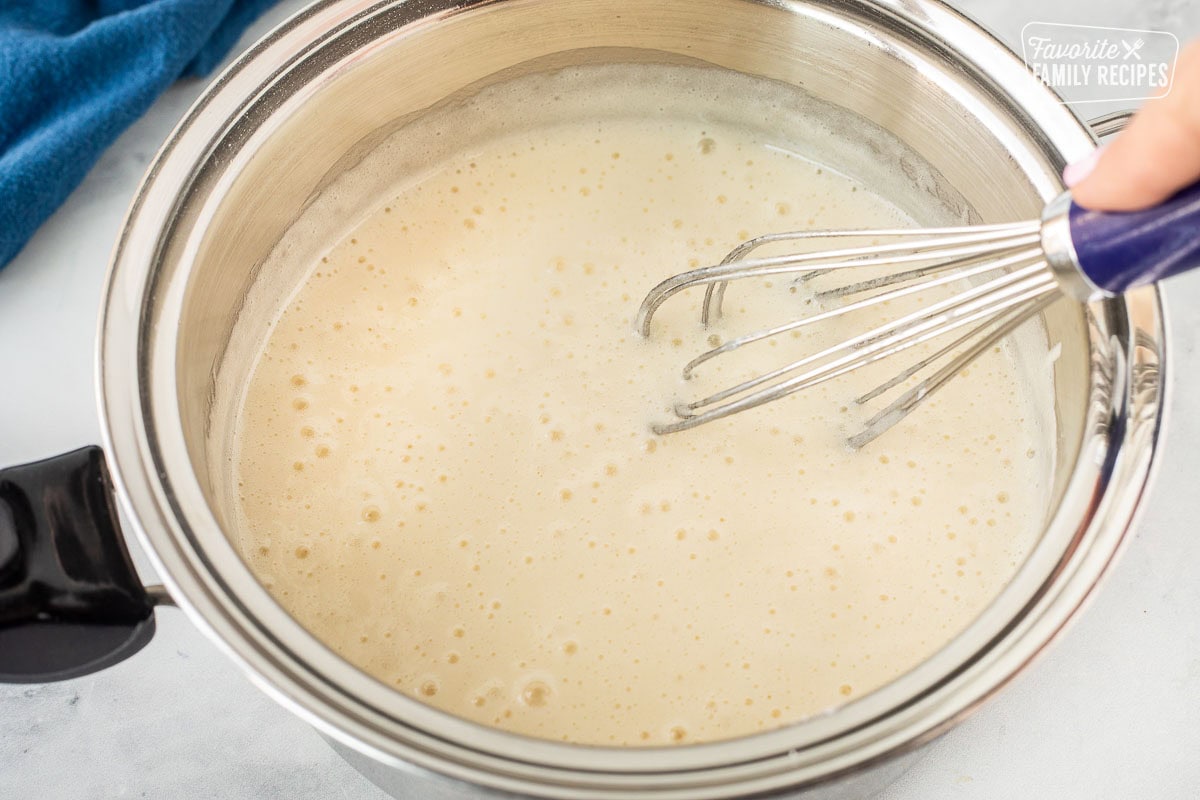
1154, 157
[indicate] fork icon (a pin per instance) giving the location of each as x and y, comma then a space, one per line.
1132, 49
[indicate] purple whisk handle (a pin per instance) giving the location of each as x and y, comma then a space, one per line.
1119, 250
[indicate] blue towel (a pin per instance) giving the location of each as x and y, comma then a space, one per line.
75, 73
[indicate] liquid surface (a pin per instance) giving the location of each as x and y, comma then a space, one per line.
446, 472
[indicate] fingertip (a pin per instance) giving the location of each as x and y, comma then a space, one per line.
1076, 171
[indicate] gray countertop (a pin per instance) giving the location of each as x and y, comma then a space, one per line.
1111, 711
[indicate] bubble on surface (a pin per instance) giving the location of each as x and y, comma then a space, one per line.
535, 694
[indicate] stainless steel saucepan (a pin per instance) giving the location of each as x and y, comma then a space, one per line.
923, 87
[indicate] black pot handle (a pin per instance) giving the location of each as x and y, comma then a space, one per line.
71, 602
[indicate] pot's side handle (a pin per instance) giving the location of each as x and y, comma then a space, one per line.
70, 599
1109, 124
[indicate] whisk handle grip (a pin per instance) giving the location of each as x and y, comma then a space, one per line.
1121, 250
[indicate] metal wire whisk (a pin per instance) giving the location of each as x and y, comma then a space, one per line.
1001, 275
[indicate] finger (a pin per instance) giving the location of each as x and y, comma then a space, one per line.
1157, 155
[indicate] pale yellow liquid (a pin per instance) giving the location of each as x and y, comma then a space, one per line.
446, 471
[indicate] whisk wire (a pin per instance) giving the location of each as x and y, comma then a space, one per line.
948, 246
911, 325
868, 348
898, 409
871, 347
926, 244
749, 338
1005, 277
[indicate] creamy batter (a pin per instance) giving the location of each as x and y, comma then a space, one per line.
446, 472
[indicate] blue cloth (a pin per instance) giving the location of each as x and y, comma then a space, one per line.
75, 73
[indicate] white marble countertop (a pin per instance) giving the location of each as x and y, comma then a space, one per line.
1111, 711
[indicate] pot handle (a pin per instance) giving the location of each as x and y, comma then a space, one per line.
71, 602
1109, 124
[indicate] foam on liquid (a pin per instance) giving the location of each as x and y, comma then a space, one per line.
446, 473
